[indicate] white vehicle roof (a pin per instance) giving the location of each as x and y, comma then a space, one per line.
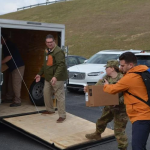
142, 54
115, 51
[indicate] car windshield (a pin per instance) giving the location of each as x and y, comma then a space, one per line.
143, 60
102, 58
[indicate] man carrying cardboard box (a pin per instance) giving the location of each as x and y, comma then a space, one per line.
118, 112
134, 88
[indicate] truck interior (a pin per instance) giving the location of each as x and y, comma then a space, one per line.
31, 45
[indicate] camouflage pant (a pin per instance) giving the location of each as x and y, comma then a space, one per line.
118, 113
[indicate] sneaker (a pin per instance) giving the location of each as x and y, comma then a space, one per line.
47, 112
15, 104
60, 120
93, 136
7, 100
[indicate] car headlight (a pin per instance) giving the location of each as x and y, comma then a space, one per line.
95, 73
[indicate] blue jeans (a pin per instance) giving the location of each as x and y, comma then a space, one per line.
140, 133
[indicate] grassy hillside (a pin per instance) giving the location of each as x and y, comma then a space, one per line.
94, 25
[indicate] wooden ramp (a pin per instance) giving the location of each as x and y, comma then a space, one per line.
63, 135
26, 107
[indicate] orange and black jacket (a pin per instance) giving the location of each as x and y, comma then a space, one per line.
133, 83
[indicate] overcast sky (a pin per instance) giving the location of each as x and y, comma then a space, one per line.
7, 6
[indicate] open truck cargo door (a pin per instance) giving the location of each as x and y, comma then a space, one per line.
27, 119
29, 37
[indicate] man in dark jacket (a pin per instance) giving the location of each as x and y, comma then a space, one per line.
16, 67
55, 72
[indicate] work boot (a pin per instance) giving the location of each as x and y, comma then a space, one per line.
15, 104
60, 120
93, 136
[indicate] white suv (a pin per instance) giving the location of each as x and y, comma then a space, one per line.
93, 70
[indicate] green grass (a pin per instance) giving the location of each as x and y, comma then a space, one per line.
94, 25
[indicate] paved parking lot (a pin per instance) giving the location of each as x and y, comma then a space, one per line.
75, 104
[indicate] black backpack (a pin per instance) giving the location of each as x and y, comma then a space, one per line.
146, 79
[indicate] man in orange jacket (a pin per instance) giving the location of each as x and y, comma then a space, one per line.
138, 111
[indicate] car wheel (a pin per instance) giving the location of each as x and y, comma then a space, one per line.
36, 92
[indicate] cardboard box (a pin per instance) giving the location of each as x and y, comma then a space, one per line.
97, 97
4, 67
